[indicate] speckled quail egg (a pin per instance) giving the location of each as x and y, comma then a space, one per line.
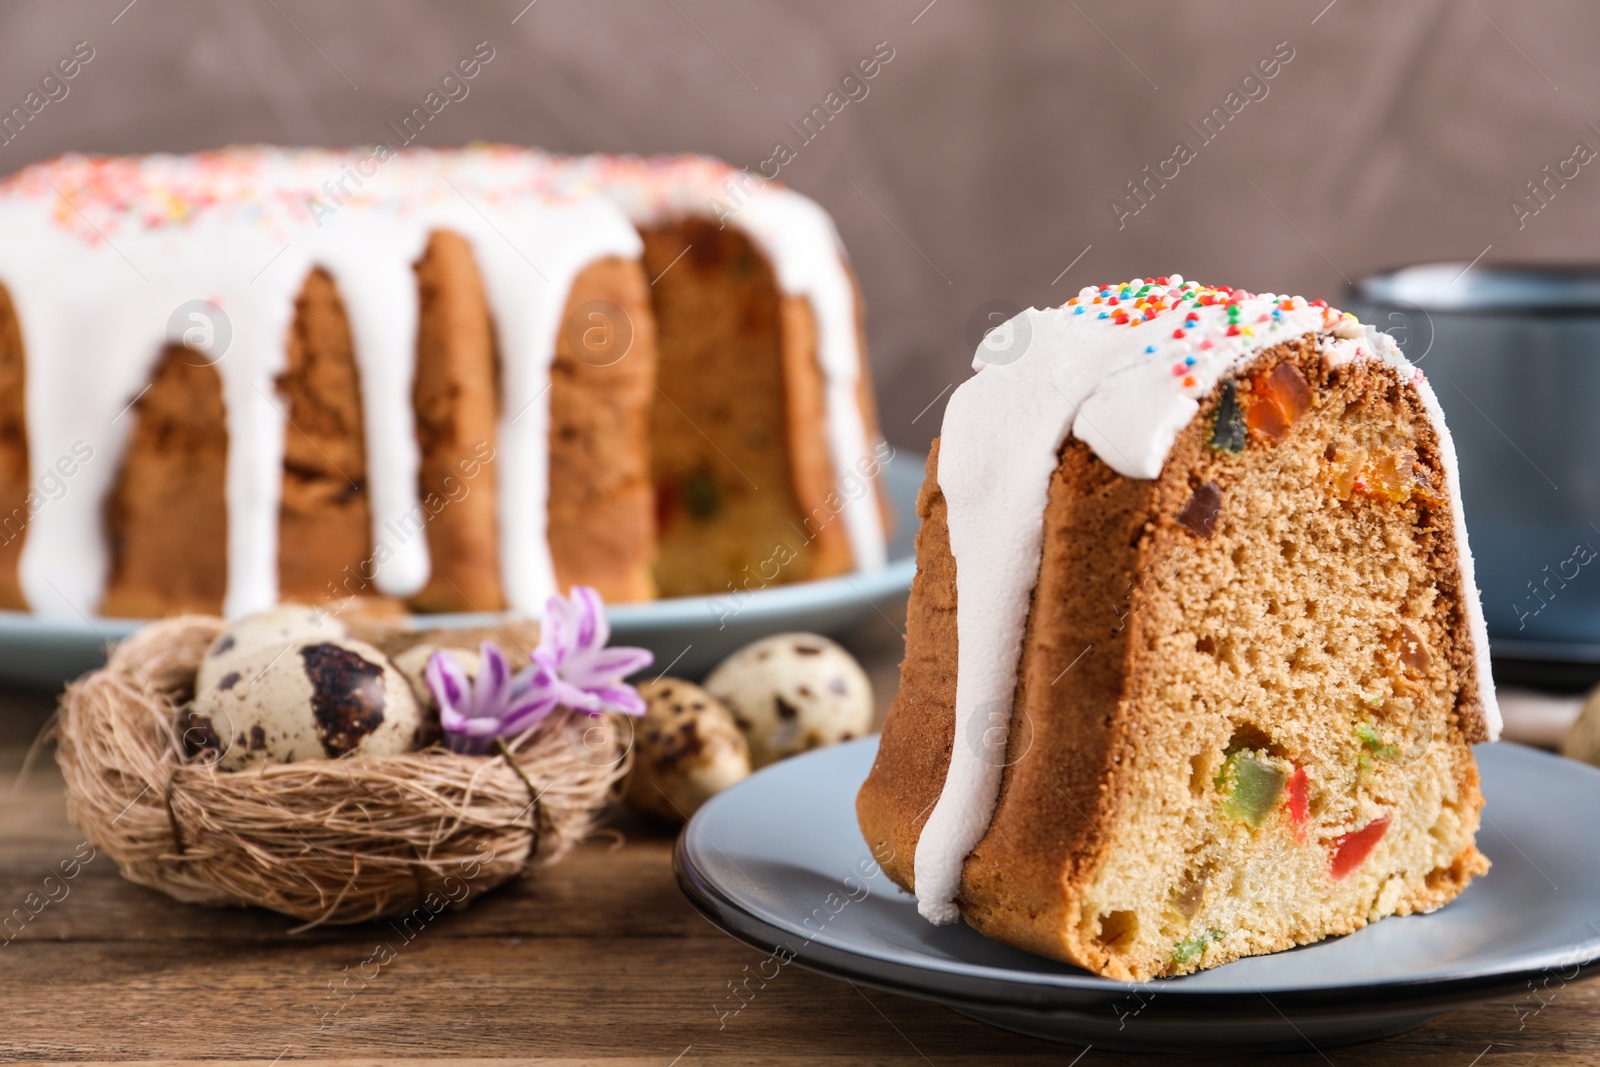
304, 700
791, 693
413, 663
272, 628
686, 749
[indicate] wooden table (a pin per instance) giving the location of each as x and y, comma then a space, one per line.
596, 960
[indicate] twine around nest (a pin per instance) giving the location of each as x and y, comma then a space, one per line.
325, 841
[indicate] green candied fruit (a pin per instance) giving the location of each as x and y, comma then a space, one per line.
701, 495
1190, 949
1256, 786
1374, 742
1228, 431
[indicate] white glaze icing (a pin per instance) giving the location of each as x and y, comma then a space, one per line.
99, 252
799, 239
1127, 391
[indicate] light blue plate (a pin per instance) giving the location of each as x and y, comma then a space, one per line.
689, 634
811, 892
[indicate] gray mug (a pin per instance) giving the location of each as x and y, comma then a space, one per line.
1514, 355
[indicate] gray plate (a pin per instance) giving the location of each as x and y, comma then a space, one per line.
692, 634
1510, 931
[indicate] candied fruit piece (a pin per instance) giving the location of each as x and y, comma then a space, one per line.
1351, 849
1396, 476
1298, 803
701, 495
1390, 477
1200, 513
1347, 468
1254, 786
1228, 425
667, 504
1290, 389
1374, 741
1278, 399
1393, 475
1190, 949
1266, 419
1190, 894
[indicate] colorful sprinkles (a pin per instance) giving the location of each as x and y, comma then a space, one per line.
279, 190
1182, 303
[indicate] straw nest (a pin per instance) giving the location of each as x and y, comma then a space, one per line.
325, 841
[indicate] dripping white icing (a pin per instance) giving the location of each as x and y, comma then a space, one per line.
799, 239
98, 253
1127, 392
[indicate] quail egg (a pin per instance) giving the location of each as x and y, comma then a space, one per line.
304, 700
1583, 739
686, 749
413, 663
272, 628
791, 693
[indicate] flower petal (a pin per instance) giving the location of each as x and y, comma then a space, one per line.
594, 630
494, 678
523, 716
608, 665
623, 698
558, 629
446, 680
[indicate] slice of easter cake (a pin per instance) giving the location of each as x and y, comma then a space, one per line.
1195, 657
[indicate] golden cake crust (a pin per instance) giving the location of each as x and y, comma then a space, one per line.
166, 516
13, 454
324, 516
601, 506
456, 399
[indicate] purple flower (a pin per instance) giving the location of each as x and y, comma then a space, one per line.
585, 674
497, 703
571, 668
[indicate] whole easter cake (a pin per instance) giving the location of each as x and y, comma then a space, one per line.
1195, 657
458, 380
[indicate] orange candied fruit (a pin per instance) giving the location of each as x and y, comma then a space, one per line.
1395, 476
1277, 400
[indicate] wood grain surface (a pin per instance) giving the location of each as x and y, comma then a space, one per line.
598, 960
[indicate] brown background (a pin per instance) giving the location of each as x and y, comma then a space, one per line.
983, 158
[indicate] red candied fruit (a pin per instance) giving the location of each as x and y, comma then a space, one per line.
1278, 399
1298, 803
667, 504
1351, 849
